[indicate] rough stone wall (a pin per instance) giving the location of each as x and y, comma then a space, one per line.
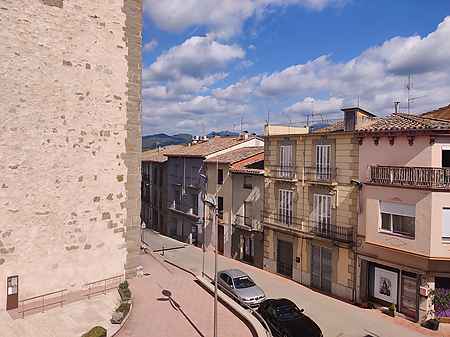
69, 142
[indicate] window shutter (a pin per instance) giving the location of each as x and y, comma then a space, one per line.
398, 209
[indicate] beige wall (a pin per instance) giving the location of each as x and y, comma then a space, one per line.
254, 196
69, 142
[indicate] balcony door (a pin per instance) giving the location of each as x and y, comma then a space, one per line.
322, 214
285, 207
286, 161
12, 292
323, 162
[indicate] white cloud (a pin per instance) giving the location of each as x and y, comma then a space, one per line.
150, 45
192, 66
310, 106
377, 76
223, 17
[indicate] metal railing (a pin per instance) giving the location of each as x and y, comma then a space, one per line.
102, 286
247, 222
419, 177
40, 301
320, 173
312, 227
285, 172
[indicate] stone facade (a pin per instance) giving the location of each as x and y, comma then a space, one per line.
69, 142
303, 234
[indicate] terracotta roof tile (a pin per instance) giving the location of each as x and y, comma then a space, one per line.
441, 113
206, 148
242, 165
404, 122
158, 155
236, 155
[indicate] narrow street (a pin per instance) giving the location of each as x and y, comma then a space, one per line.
336, 318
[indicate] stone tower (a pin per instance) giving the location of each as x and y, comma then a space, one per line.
70, 143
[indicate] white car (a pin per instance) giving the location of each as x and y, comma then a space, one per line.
239, 285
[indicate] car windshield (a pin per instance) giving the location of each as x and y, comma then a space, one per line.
287, 312
243, 282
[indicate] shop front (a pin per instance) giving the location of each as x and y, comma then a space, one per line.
389, 285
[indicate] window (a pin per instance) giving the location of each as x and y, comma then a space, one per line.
446, 156
248, 182
178, 198
247, 213
446, 224
323, 169
194, 175
285, 207
286, 162
220, 207
322, 212
398, 218
220, 176
194, 203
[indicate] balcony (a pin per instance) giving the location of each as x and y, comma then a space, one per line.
315, 229
324, 174
414, 177
282, 172
247, 223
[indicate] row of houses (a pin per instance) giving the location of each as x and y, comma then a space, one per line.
358, 208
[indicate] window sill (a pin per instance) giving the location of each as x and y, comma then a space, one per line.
397, 234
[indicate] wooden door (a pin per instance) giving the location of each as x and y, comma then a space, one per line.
284, 258
12, 292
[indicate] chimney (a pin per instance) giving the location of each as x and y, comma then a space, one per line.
354, 117
244, 135
396, 106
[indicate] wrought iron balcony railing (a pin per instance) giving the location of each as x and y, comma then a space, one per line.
247, 222
312, 227
417, 177
284, 172
320, 173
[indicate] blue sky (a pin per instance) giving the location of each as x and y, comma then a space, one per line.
208, 64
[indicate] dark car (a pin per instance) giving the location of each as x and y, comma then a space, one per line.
285, 319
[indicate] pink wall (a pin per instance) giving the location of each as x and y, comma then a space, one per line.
428, 204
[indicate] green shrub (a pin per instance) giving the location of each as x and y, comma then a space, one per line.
125, 294
97, 331
124, 308
123, 285
392, 307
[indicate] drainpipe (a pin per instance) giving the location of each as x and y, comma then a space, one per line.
359, 186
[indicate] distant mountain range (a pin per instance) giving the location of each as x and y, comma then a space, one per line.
162, 139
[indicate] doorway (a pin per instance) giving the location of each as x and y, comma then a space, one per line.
12, 292
220, 239
321, 268
284, 258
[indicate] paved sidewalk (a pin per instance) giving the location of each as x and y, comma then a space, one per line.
336, 318
71, 320
187, 313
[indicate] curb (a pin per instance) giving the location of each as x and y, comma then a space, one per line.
123, 321
255, 327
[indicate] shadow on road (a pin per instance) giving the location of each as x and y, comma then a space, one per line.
168, 297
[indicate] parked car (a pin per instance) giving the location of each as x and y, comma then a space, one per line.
285, 319
239, 285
